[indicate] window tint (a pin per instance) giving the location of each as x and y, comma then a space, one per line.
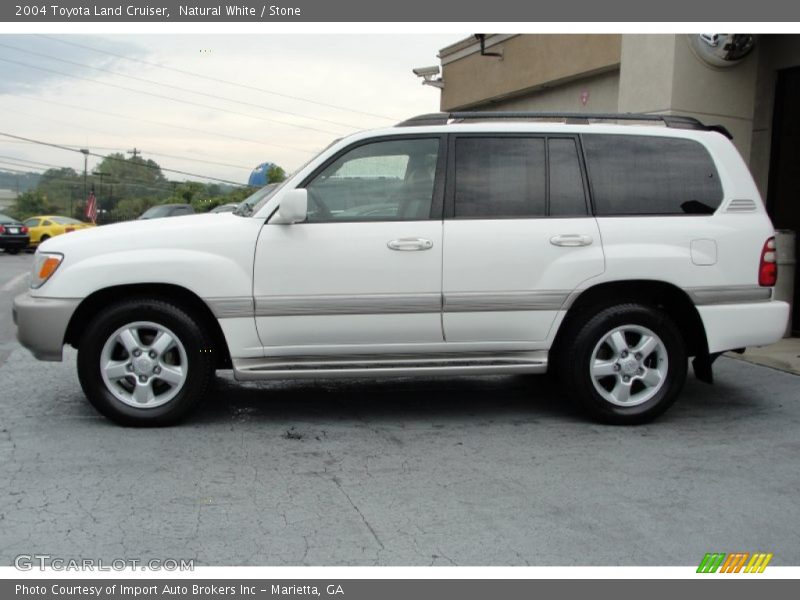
567, 196
633, 174
500, 177
382, 181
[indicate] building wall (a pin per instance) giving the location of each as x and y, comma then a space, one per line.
602, 93
662, 74
529, 63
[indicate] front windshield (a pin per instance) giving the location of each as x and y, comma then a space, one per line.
66, 221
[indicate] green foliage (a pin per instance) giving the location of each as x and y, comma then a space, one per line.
21, 182
275, 174
125, 188
32, 203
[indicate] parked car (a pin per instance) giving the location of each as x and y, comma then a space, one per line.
607, 250
167, 210
13, 235
42, 228
223, 208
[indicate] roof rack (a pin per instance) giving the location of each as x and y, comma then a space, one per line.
446, 118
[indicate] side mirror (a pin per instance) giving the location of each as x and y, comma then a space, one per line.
293, 207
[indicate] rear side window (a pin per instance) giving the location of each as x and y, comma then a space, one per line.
500, 177
649, 175
522, 177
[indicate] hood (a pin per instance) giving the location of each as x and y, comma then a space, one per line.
215, 233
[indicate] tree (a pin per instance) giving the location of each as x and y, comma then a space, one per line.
275, 174
32, 203
62, 188
132, 177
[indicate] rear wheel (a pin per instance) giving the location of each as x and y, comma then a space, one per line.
626, 364
145, 362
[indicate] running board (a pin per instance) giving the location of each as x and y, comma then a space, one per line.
247, 369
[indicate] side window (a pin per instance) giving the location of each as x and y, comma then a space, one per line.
567, 195
381, 181
499, 177
46, 223
649, 175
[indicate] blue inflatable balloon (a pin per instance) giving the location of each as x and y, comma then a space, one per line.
259, 177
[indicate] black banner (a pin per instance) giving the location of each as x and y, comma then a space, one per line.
394, 589
45, 11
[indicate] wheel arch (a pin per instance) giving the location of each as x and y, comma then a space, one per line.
179, 295
660, 294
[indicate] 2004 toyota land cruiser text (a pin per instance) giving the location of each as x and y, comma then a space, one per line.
609, 248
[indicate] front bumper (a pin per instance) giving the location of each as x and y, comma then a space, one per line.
42, 323
731, 326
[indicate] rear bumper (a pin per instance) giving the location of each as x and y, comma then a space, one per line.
730, 326
42, 323
14, 242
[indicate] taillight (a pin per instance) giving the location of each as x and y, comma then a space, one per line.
2, 229
23, 229
768, 265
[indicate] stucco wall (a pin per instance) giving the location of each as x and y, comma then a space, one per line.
529, 62
601, 92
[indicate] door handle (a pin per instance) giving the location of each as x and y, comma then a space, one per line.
410, 244
571, 240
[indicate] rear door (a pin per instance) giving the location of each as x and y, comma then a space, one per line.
518, 235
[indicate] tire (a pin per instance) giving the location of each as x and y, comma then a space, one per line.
599, 365
44, 238
129, 337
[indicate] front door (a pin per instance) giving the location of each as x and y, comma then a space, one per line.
364, 272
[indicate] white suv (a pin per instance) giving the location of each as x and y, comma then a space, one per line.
609, 248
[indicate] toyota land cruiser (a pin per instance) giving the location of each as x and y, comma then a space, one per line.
608, 248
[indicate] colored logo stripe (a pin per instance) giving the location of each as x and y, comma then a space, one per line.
758, 563
734, 562
711, 562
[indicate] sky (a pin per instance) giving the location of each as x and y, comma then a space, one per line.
259, 98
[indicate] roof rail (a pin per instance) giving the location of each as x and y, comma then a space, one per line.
445, 118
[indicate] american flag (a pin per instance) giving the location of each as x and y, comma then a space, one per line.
91, 207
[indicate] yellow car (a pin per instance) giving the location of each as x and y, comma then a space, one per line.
43, 228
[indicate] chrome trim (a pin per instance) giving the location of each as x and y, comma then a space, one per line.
504, 301
228, 308
410, 244
741, 205
340, 304
311, 367
729, 294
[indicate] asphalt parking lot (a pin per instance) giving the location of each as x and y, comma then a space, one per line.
467, 471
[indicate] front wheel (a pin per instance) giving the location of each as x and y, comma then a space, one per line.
625, 365
144, 362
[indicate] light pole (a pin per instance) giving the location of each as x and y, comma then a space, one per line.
85, 152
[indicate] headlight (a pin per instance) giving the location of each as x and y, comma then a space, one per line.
44, 265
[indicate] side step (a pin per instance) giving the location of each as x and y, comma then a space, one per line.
313, 367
